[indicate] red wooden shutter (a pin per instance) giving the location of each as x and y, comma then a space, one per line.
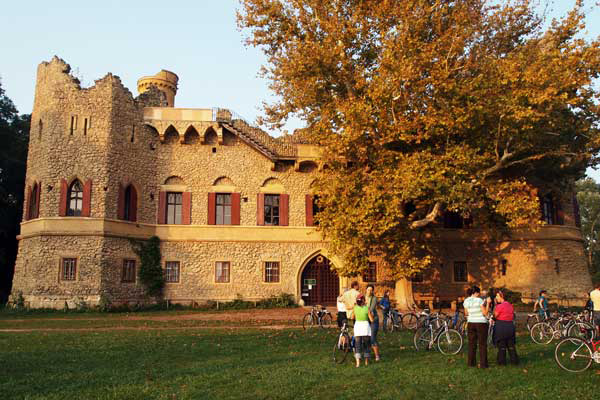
212, 208
87, 199
309, 210
121, 203
37, 200
235, 208
27, 204
133, 205
162, 207
260, 209
186, 206
62, 207
284, 209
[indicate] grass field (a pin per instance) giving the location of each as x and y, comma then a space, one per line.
148, 363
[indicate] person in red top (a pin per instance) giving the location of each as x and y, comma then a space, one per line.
504, 330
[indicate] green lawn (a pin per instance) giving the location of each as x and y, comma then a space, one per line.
247, 363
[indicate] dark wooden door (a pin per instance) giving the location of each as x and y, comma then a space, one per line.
320, 284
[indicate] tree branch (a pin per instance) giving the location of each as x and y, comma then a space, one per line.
429, 218
503, 162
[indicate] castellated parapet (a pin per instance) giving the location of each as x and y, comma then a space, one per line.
231, 205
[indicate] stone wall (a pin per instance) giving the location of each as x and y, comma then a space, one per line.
120, 147
37, 271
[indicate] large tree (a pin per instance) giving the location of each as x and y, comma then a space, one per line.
588, 197
14, 139
427, 105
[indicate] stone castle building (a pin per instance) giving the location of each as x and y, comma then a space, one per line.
232, 207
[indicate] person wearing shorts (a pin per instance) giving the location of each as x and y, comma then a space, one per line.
595, 297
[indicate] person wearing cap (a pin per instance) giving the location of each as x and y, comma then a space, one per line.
362, 330
542, 303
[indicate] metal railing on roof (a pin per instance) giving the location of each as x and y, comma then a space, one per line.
228, 116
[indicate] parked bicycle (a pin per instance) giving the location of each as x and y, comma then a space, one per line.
343, 346
534, 318
576, 354
318, 316
393, 320
567, 325
435, 331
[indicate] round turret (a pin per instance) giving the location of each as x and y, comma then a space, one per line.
165, 81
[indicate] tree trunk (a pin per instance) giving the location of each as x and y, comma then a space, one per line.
404, 295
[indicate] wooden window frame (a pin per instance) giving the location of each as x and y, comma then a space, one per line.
268, 275
61, 273
127, 276
224, 207
167, 275
129, 206
370, 274
219, 278
454, 272
77, 211
175, 205
271, 215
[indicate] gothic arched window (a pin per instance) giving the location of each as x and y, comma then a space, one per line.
75, 199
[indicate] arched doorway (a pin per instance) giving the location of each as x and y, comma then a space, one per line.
320, 284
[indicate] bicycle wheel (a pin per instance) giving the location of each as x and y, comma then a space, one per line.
542, 333
581, 330
573, 354
409, 321
422, 338
326, 321
531, 321
449, 342
341, 348
308, 321
389, 324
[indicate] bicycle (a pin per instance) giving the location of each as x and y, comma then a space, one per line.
449, 341
565, 326
393, 320
318, 315
574, 354
343, 346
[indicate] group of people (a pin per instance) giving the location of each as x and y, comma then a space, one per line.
481, 309
361, 308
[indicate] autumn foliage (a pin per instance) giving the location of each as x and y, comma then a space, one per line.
424, 106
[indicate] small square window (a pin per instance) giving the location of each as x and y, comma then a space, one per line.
222, 269
460, 272
370, 275
172, 270
128, 273
272, 271
68, 269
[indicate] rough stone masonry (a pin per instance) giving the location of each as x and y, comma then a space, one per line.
232, 207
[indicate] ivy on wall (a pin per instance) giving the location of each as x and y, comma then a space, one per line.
150, 274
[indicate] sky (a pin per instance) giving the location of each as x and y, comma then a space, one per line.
197, 39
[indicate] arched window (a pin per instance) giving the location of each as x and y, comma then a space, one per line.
130, 205
75, 199
33, 202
